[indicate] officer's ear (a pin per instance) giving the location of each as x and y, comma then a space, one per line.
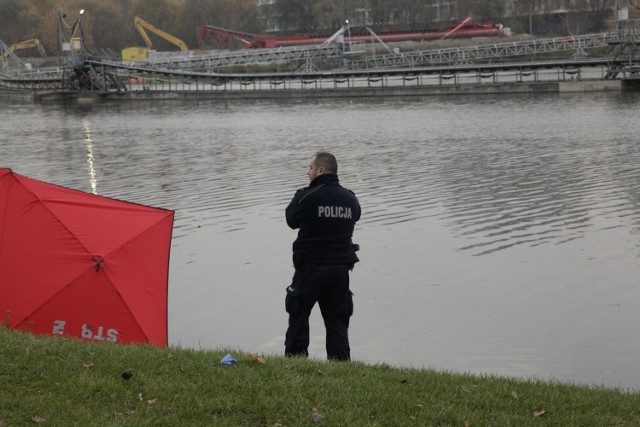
322, 170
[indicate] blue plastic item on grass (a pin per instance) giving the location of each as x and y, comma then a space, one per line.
228, 360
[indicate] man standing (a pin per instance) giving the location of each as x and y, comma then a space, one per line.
323, 254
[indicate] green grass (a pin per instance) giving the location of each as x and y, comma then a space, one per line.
66, 382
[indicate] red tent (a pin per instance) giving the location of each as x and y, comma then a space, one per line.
81, 265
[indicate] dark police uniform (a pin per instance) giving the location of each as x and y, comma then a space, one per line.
323, 254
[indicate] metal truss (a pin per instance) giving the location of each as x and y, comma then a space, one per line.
489, 52
579, 45
617, 50
242, 57
458, 55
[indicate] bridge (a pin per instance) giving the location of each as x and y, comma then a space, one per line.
605, 56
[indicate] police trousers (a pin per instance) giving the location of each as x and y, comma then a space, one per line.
328, 285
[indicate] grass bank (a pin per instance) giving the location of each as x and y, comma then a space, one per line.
63, 382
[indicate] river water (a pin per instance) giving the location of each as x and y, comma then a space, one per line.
499, 234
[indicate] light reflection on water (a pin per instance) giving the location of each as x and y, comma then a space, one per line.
499, 233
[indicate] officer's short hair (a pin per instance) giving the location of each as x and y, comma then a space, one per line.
327, 161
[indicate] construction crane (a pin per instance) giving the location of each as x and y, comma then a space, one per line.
141, 25
139, 53
26, 44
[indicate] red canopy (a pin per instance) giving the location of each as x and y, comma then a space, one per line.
81, 265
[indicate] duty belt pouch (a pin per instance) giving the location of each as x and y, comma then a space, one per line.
298, 260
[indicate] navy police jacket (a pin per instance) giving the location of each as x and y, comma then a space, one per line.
326, 213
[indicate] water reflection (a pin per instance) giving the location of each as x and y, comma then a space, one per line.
499, 234
86, 127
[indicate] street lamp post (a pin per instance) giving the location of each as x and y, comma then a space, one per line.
348, 41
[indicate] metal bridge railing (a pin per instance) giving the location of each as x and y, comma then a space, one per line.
627, 31
249, 56
487, 52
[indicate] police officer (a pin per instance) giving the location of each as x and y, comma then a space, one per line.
323, 254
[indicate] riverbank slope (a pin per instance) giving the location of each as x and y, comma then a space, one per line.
58, 381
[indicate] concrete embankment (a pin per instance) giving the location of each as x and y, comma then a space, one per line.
354, 92
433, 90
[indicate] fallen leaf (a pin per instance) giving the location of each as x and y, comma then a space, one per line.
514, 394
538, 413
152, 401
316, 416
37, 419
88, 365
258, 359
467, 388
466, 424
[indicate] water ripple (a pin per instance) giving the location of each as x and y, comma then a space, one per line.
509, 185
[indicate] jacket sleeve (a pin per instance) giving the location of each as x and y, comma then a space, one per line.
356, 216
292, 212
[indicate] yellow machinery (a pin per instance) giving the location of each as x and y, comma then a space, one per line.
27, 44
139, 53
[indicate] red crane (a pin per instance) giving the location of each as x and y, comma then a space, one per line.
467, 28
